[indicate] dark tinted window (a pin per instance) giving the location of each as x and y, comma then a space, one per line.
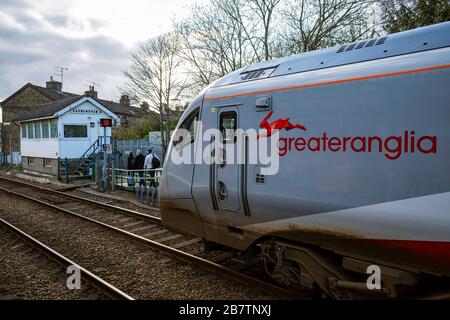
75, 131
188, 124
228, 126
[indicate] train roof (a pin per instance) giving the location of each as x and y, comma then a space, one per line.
416, 40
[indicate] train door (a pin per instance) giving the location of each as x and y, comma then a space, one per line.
228, 177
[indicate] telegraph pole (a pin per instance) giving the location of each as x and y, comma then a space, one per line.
105, 123
2, 153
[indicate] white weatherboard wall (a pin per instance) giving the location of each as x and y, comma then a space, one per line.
43, 148
85, 112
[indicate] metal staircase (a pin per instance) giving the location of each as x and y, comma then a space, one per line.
70, 169
88, 157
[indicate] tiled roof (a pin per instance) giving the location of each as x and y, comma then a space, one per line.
124, 109
111, 105
54, 94
46, 110
60, 98
49, 109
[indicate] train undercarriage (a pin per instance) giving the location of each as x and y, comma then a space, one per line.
332, 275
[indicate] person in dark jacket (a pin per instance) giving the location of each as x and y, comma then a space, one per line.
138, 164
130, 161
130, 166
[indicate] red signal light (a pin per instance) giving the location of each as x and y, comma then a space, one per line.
105, 123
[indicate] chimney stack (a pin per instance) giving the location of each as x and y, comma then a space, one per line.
145, 106
124, 99
53, 85
91, 92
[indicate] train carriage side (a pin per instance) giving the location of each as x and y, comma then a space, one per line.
374, 150
363, 171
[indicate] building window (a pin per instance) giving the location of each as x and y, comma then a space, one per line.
30, 161
54, 129
45, 133
47, 163
75, 131
30, 128
37, 130
24, 130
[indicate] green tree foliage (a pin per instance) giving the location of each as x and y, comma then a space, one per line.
140, 128
401, 15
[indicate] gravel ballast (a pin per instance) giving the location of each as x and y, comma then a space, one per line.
26, 274
137, 269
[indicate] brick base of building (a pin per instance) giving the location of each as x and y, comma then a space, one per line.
40, 165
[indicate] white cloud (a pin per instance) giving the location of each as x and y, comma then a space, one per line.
132, 20
92, 38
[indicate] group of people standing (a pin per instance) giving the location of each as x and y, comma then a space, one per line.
141, 162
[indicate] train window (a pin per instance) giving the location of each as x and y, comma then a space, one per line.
189, 124
228, 126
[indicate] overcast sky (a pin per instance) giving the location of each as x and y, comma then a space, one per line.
93, 38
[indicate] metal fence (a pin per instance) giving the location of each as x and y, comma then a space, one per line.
127, 146
11, 160
144, 183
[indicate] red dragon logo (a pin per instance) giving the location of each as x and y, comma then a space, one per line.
274, 126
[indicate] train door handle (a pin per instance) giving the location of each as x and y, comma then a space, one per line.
223, 193
223, 158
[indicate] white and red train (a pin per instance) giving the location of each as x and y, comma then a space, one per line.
363, 137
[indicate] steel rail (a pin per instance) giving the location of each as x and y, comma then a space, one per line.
97, 203
181, 255
105, 287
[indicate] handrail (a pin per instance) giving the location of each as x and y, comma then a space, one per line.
139, 170
212, 178
96, 144
89, 152
244, 179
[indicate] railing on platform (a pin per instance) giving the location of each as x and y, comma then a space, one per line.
144, 183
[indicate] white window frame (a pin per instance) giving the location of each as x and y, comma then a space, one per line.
22, 127
37, 125
55, 121
30, 126
42, 129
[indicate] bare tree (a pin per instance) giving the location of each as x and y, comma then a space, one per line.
314, 24
226, 35
242, 15
254, 17
156, 76
214, 42
264, 9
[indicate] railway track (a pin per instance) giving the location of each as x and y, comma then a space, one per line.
93, 287
142, 227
